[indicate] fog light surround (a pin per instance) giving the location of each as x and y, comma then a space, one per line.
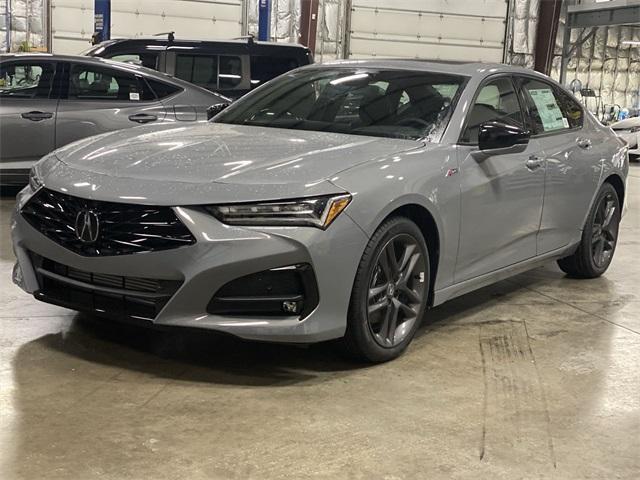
279, 292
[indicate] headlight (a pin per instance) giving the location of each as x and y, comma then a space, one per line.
34, 180
313, 211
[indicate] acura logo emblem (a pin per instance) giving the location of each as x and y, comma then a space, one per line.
87, 226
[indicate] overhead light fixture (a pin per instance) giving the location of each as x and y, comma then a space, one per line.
631, 42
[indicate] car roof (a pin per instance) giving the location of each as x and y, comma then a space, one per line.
131, 67
89, 60
159, 40
468, 69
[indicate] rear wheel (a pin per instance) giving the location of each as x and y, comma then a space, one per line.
390, 292
599, 237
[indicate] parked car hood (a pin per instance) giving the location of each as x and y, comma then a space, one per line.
627, 123
161, 164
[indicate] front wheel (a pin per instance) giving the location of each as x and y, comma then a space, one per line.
390, 292
599, 237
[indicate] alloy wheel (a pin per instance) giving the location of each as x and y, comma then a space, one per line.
604, 231
396, 290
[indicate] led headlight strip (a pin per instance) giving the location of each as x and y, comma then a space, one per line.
313, 211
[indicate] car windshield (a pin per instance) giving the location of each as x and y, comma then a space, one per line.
385, 103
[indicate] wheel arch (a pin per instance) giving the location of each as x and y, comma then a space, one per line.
616, 181
427, 224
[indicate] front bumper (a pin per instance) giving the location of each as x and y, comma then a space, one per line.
221, 254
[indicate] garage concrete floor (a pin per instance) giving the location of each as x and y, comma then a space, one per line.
535, 377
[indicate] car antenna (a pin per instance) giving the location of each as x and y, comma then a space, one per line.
171, 36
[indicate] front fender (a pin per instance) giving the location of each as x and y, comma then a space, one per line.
422, 177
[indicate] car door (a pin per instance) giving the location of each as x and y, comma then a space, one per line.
101, 99
27, 111
501, 195
572, 161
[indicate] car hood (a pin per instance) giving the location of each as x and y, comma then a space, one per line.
627, 123
230, 162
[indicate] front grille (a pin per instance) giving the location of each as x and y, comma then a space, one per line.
114, 295
121, 228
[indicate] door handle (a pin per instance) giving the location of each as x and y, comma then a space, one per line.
143, 118
534, 162
584, 143
36, 116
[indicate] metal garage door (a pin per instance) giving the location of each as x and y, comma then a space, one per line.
72, 20
432, 29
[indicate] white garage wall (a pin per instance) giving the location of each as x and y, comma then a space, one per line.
72, 20
431, 29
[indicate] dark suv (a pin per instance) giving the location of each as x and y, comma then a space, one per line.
231, 67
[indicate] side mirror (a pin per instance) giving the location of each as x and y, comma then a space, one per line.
213, 110
496, 138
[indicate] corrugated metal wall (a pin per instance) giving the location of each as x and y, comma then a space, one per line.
606, 64
22, 22
523, 25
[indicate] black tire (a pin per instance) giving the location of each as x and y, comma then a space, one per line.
599, 237
375, 332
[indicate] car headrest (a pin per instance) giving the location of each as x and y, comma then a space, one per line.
375, 106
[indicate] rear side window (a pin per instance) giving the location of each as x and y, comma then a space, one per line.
545, 111
162, 89
265, 68
496, 101
26, 79
571, 109
210, 71
88, 82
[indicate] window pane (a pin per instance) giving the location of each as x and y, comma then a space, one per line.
96, 83
184, 67
496, 101
26, 80
571, 109
545, 111
162, 89
230, 72
264, 69
199, 69
400, 104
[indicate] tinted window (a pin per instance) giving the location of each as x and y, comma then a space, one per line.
162, 89
87, 82
149, 60
264, 69
571, 109
496, 101
400, 104
211, 72
544, 107
26, 79
230, 73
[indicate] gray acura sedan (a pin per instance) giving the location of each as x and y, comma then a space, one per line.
336, 201
47, 101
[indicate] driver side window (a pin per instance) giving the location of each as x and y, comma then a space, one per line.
496, 101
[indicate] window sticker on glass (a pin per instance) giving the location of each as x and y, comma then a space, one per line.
550, 113
134, 96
